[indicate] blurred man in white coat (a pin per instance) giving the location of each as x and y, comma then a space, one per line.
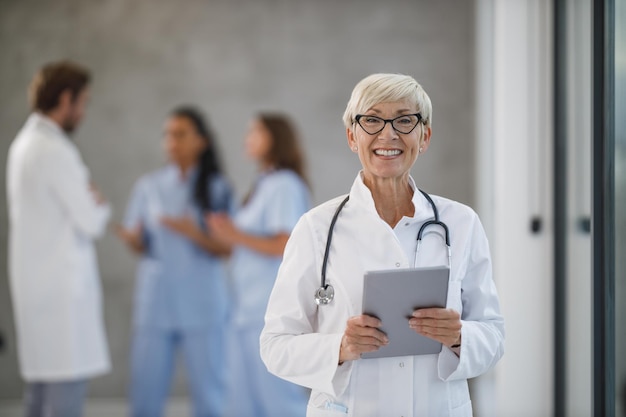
55, 213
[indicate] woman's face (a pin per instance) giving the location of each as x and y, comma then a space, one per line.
182, 143
388, 154
258, 141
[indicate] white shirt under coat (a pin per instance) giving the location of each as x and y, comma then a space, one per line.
53, 269
301, 341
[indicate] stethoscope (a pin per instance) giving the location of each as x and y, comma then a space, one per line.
325, 293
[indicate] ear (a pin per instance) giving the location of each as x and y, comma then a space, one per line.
425, 140
65, 99
351, 139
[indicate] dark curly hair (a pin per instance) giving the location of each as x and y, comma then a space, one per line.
208, 162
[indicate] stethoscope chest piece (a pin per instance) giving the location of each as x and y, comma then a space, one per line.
324, 295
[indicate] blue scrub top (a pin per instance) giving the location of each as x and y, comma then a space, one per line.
179, 285
277, 202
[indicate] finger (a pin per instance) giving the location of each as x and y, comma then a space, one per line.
446, 335
446, 323
361, 342
436, 313
440, 332
352, 351
367, 335
445, 339
437, 331
364, 321
357, 329
366, 348
364, 341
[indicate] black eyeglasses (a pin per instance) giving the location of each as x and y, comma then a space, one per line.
402, 124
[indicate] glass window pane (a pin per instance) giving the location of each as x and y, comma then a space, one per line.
578, 285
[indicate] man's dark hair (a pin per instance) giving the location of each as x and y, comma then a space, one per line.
52, 80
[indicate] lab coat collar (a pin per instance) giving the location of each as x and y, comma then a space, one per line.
362, 197
40, 119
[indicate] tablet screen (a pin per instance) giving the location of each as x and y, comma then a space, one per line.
393, 295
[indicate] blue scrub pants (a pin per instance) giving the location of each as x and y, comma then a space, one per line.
152, 366
253, 391
55, 399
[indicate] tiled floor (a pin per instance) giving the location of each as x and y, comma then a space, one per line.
103, 408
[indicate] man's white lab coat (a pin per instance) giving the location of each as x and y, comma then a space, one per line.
300, 341
55, 287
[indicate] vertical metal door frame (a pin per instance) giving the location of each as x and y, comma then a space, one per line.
560, 205
603, 212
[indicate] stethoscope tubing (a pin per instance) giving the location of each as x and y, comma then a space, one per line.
325, 293
330, 238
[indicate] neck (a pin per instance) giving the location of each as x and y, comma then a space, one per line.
266, 167
56, 116
392, 198
184, 169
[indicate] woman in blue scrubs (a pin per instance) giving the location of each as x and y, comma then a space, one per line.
258, 234
181, 298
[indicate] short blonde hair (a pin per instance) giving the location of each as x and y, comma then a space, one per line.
386, 88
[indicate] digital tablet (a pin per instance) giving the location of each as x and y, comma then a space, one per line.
393, 295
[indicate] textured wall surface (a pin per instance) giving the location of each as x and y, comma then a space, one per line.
232, 58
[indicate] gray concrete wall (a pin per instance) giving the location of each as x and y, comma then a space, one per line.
232, 58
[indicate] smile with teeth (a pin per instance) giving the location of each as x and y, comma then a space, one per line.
387, 152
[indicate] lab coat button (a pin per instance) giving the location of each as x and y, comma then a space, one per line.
398, 264
401, 364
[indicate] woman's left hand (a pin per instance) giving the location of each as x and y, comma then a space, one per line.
440, 324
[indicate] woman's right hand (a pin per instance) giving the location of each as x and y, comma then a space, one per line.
222, 228
132, 237
362, 335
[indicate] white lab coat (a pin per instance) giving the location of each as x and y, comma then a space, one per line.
300, 341
53, 269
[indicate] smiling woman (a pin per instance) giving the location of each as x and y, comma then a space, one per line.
319, 344
386, 152
388, 125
